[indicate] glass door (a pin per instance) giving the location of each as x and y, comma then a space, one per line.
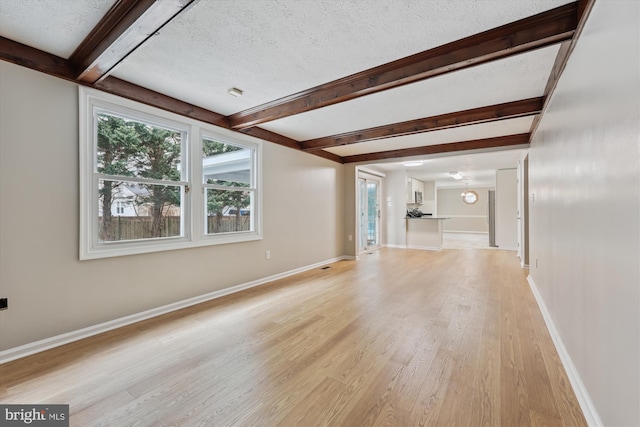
369, 213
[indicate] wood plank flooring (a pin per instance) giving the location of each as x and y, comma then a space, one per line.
398, 338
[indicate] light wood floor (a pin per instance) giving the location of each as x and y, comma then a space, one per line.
399, 338
466, 241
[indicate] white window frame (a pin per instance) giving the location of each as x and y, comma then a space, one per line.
253, 187
194, 204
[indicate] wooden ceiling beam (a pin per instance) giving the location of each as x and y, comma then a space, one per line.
544, 29
26, 56
29, 57
287, 142
159, 100
476, 144
491, 113
127, 25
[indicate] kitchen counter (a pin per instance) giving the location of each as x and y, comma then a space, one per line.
426, 217
425, 235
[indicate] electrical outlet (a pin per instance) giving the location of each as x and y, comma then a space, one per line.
4, 303
350, 237
267, 254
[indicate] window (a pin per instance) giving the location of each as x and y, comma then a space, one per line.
470, 197
138, 163
229, 186
119, 207
142, 192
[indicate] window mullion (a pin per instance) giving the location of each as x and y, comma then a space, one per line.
140, 180
196, 209
226, 187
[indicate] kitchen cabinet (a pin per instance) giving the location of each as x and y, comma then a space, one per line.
425, 233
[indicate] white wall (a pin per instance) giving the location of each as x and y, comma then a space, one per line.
523, 210
429, 198
507, 209
584, 169
464, 218
50, 292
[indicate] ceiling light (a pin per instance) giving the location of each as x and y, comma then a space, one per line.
455, 175
413, 163
234, 91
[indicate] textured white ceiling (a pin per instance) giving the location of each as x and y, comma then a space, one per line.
477, 169
514, 78
57, 27
273, 48
463, 133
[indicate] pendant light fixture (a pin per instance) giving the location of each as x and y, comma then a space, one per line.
469, 196
466, 189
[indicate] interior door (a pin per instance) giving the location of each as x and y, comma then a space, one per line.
369, 213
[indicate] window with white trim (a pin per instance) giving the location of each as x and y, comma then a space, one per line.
151, 180
229, 186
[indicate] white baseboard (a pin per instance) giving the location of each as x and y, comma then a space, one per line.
587, 406
424, 248
396, 246
66, 338
466, 232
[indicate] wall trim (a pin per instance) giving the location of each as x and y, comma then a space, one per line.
424, 248
586, 404
69, 337
463, 216
371, 171
465, 232
395, 246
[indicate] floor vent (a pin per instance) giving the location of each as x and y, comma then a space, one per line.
326, 267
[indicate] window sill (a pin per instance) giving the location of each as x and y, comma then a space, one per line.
117, 249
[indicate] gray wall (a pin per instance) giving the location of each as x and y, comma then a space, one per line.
50, 292
464, 217
584, 169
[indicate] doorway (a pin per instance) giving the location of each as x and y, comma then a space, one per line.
368, 212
